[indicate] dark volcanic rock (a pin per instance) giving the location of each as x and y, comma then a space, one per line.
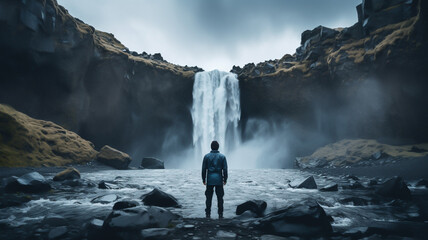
68, 174
137, 218
125, 204
108, 185
159, 198
113, 157
330, 188
256, 206
353, 185
356, 201
305, 218
308, 183
12, 200
105, 199
151, 163
395, 188
31, 182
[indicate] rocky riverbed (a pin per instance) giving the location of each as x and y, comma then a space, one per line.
80, 209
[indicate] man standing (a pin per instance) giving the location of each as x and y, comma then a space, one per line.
214, 175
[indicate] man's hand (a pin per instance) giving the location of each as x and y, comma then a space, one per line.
224, 183
204, 183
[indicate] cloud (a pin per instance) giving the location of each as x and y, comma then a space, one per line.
212, 34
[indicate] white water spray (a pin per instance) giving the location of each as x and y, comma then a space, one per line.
216, 112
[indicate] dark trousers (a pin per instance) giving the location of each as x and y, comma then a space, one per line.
219, 192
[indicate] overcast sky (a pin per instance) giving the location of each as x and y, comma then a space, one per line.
212, 34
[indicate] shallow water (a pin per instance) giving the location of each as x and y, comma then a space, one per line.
271, 185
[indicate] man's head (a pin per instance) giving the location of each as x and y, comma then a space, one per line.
214, 145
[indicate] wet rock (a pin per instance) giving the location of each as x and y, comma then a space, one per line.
395, 188
355, 178
31, 182
126, 203
12, 200
308, 183
74, 183
68, 174
422, 183
373, 182
57, 232
94, 230
305, 218
225, 235
6, 181
353, 185
155, 233
160, 199
138, 218
152, 163
113, 157
356, 201
330, 188
107, 185
105, 199
256, 206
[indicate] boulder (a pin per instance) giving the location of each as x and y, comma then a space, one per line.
31, 183
113, 157
138, 218
395, 188
160, 199
12, 200
105, 199
107, 185
155, 233
308, 183
256, 206
305, 218
126, 203
151, 163
353, 185
95, 230
68, 174
330, 188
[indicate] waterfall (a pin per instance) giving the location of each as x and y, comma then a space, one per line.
216, 112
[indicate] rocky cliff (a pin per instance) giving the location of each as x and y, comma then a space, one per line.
365, 81
55, 67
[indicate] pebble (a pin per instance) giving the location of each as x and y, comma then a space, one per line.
189, 226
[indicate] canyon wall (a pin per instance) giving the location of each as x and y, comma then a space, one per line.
55, 67
365, 81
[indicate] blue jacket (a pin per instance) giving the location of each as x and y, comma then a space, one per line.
215, 165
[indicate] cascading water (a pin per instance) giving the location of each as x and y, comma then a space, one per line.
216, 111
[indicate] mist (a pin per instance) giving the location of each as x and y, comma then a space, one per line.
273, 142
